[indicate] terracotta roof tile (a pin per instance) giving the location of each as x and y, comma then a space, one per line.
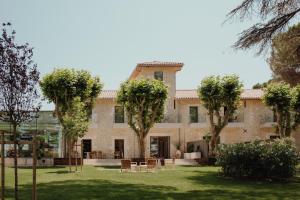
159, 63
139, 66
190, 94
246, 94
108, 94
252, 94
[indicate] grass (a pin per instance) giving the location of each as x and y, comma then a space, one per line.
179, 183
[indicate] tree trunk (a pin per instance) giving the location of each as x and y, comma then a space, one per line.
75, 156
142, 147
212, 132
15, 161
65, 147
213, 143
70, 155
2, 167
279, 123
34, 167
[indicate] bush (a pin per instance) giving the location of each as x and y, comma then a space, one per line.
275, 159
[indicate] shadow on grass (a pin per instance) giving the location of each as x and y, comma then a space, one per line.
108, 167
60, 172
41, 167
93, 189
246, 189
107, 190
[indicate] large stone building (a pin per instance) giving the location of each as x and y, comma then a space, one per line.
185, 119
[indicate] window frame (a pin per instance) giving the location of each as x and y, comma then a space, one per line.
119, 119
194, 119
159, 75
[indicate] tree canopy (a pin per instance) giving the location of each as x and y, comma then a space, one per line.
296, 106
18, 80
285, 55
284, 101
144, 102
219, 94
73, 92
62, 86
19, 99
275, 16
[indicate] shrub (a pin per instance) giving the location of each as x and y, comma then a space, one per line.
275, 159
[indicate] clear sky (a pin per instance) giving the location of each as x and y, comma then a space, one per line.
109, 37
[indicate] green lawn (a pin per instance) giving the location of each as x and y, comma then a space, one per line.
178, 183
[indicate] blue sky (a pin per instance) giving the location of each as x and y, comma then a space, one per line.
109, 37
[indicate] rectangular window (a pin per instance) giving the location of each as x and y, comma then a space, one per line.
159, 76
119, 114
193, 114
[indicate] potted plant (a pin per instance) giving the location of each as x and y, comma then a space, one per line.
178, 152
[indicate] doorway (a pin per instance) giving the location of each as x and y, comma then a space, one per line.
87, 147
119, 149
160, 147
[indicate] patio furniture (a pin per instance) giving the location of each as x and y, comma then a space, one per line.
95, 155
151, 164
126, 165
117, 155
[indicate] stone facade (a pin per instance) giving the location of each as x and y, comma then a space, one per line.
253, 120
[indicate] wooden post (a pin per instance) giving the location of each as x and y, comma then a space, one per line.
34, 167
2, 166
76, 157
81, 154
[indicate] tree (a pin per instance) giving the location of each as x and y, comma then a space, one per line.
278, 96
144, 102
285, 55
75, 123
296, 106
63, 86
274, 14
221, 97
259, 85
18, 80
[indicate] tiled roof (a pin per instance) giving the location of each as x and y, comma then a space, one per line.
246, 94
190, 94
139, 66
252, 94
159, 63
108, 94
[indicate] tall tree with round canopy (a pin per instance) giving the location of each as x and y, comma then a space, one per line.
63, 86
144, 103
221, 97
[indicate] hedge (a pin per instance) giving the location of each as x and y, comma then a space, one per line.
259, 159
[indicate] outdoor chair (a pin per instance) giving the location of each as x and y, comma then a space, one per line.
151, 164
126, 165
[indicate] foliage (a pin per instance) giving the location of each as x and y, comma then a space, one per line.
65, 88
260, 85
274, 14
63, 85
296, 105
276, 159
279, 97
285, 56
18, 80
219, 94
144, 102
75, 121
